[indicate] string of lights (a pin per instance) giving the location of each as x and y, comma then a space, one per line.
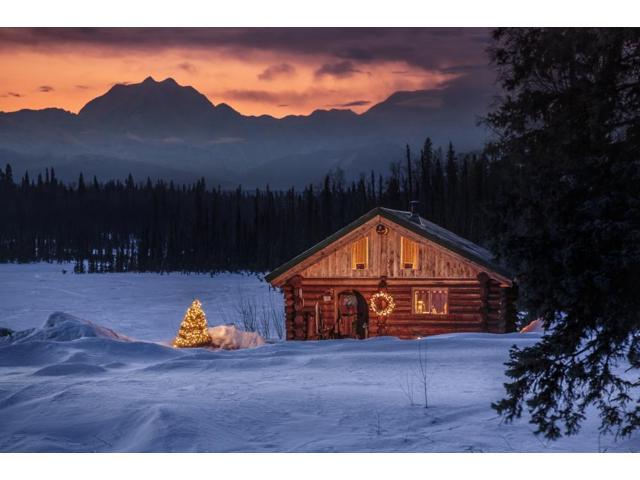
193, 329
382, 304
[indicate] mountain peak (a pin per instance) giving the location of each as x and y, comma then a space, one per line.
149, 105
152, 81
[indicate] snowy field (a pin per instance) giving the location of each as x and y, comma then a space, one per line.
68, 385
144, 306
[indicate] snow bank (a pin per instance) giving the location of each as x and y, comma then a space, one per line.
229, 337
73, 386
62, 327
79, 345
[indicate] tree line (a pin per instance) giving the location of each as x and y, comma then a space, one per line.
119, 226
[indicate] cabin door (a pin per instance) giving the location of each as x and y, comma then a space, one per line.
353, 316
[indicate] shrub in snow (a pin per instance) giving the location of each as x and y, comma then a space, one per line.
5, 332
535, 326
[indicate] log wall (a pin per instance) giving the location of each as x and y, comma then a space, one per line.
474, 305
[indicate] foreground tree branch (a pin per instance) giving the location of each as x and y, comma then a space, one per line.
567, 219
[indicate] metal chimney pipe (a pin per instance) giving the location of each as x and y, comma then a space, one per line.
413, 208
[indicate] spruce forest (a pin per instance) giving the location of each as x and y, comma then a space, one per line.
161, 227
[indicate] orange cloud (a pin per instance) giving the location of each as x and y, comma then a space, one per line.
256, 71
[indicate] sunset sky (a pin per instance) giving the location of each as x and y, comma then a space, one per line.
275, 71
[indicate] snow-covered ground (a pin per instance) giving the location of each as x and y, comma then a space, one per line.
69, 385
145, 306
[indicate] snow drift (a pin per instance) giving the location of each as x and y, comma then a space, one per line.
74, 386
66, 344
62, 327
229, 337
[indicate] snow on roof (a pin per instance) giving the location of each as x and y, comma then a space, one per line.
444, 236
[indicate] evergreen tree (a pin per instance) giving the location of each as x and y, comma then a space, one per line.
426, 188
451, 220
409, 187
568, 221
464, 205
8, 175
439, 200
81, 186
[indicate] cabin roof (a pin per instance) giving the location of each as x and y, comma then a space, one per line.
418, 225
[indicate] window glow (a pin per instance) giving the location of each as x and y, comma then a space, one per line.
433, 301
408, 253
360, 254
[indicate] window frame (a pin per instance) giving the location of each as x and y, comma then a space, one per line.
414, 264
354, 265
430, 291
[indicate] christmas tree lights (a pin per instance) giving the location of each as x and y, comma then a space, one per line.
193, 330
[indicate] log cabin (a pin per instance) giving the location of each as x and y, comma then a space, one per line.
392, 272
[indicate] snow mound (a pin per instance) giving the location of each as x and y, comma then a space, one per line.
62, 327
536, 326
65, 339
228, 337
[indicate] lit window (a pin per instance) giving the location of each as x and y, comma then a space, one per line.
360, 254
432, 301
408, 253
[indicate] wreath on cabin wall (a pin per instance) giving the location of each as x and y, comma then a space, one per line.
382, 304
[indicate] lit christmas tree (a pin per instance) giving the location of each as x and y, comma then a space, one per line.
193, 330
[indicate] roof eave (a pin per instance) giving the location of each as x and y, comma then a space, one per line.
273, 275
409, 225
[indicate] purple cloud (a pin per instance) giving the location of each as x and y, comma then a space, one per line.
279, 70
342, 69
252, 95
188, 67
355, 103
429, 48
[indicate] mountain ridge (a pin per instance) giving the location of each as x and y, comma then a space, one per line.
171, 127
149, 80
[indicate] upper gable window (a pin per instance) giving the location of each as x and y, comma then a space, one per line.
408, 253
360, 254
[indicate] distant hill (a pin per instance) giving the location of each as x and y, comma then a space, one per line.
162, 129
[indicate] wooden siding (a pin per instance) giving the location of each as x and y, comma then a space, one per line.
433, 261
472, 307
